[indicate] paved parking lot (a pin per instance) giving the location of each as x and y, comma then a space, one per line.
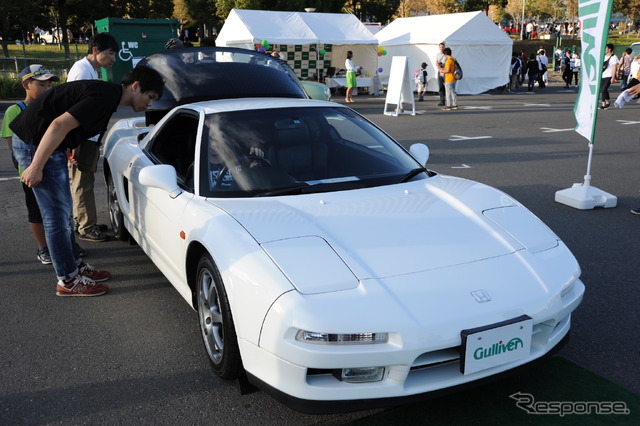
135, 355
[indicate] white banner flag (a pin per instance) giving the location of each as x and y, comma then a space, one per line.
594, 31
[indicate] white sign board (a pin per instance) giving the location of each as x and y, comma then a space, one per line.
495, 345
399, 90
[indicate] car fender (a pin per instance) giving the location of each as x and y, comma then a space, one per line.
252, 281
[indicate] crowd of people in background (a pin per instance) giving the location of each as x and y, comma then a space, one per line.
533, 69
533, 30
40, 36
571, 29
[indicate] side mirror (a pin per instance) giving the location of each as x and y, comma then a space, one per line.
420, 152
161, 176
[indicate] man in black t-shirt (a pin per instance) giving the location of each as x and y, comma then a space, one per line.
52, 125
516, 65
567, 72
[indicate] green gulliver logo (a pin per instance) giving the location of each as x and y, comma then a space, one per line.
498, 348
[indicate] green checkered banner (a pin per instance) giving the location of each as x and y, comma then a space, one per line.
307, 60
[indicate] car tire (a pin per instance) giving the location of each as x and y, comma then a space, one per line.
216, 322
115, 213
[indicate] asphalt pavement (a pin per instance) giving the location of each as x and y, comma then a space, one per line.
135, 355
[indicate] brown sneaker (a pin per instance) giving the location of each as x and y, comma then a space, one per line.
94, 235
92, 273
80, 286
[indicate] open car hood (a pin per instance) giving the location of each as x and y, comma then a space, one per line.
218, 73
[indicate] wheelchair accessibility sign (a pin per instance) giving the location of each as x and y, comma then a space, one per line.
125, 54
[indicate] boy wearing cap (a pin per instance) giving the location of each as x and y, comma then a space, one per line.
102, 53
55, 123
35, 81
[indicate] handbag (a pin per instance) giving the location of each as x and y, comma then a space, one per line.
543, 68
620, 73
457, 70
86, 155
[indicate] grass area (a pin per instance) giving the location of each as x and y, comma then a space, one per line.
624, 40
532, 46
621, 42
51, 56
49, 51
527, 398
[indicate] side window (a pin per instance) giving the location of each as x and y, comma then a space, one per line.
175, 144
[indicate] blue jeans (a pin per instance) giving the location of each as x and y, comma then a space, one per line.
624, 82
56, 207
452, 98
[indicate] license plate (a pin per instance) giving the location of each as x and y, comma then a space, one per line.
495, 344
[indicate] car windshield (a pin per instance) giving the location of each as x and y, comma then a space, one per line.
290, 151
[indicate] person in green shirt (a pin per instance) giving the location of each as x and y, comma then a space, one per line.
35, 80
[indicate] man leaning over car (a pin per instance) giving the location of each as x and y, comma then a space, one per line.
53, 124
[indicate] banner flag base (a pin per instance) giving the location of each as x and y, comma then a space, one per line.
583, 196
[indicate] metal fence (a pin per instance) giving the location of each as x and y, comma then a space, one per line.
55, 57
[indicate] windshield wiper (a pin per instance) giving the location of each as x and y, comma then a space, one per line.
413, 173
309, 189
283, 191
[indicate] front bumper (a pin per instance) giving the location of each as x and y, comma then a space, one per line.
310, 406
304, 381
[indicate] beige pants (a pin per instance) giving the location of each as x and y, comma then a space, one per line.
84, 201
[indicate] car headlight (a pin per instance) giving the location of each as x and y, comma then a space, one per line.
341, 339
522, 225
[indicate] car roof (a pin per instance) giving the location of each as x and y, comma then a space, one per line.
219, 73
245, 104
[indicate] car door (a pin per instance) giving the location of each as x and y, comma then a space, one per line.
158, 214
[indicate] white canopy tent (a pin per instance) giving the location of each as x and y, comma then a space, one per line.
482, 49
304, 36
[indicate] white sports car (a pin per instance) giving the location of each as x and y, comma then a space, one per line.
325, 262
